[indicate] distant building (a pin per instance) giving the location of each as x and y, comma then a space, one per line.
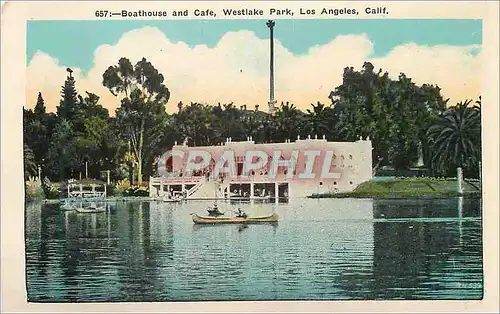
292, 169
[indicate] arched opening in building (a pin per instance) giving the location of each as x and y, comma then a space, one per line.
239, 165
169, 164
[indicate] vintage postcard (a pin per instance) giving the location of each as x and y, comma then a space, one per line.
250, 156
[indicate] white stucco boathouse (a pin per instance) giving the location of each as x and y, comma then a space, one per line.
258, 171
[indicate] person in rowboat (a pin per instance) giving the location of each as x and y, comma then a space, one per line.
214, 211
241, 214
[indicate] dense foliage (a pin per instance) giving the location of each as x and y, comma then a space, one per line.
405, 122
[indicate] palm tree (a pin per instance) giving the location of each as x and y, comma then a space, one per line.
318, 121
288, 122
455, 138
230, 124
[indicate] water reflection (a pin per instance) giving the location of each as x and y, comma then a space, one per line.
407, 253
321, 249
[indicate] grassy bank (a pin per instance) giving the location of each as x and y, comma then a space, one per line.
408, 188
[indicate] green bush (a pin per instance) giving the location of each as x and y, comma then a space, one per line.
111, 190
121, 187
124, 188
33, 190
136, 191
52, 190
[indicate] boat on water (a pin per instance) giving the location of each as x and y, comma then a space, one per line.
171, 200
197, 219
90, 210
267, 197
214, 211
93, 208
173, 197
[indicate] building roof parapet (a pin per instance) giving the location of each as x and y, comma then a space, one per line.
229, 141
250, 141
310, 140
361, 139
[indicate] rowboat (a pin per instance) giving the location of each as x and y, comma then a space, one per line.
172, 199
91, 210
262, 197
235, 220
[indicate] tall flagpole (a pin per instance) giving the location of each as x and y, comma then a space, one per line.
270, 24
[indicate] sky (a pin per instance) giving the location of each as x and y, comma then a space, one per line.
227, 60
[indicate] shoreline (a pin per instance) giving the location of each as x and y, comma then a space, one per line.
410, 188
314, 196
107, 199
394, 196
377, 188
138, 198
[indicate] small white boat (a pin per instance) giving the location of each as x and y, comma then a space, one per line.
172, 199
262, 197
90, 210
93, 208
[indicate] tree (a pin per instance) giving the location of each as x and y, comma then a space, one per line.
253, 124
141, 115
37, 137
91, 129
113, 149
356, 102
200, 125
62, 149
456, 138
91, 108
319, 119
395, 114
37, 128
30, 167
230, 122
287, 123
69, 108
40, 109
120, 78
89, 144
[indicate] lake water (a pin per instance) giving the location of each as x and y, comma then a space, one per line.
326, 249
